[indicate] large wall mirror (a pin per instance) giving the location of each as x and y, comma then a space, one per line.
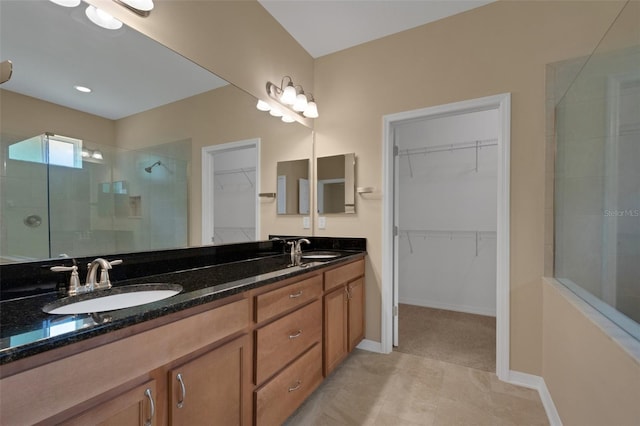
336, 185
292, 193
116, 169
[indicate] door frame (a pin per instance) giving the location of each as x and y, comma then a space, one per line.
208, 153
389, 304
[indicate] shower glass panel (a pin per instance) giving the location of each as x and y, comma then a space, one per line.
89, 199
597, 175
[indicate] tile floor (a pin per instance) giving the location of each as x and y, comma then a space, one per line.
403, 389
433, 382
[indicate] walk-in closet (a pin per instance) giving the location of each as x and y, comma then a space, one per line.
447, 209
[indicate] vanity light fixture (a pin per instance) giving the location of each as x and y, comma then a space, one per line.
292, 97
140, 7
94, 154
102, 18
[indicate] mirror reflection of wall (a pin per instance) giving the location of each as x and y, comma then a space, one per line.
336, 184
293, 187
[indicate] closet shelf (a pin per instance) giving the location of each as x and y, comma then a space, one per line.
477, 145
241, 171
481, 143
477, 236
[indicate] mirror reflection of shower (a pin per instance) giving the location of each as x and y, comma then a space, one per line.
157, 163
150, 168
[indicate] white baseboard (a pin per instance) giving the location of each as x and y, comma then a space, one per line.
537, 383
371, 346
449, 307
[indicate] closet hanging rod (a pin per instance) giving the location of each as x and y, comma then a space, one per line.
483, 143
235, 171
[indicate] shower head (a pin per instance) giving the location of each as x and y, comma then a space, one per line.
148, 169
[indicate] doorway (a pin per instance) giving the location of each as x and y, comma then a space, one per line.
463, 229
230, 182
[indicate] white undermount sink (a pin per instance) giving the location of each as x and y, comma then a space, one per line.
112, 299
320, 255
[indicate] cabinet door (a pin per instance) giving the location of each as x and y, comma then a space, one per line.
213, 389
356, 312
133, 407
335, 329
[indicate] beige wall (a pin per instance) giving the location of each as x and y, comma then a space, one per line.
501, 47
22, 117
592, 380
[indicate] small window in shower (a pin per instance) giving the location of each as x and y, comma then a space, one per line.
49, 149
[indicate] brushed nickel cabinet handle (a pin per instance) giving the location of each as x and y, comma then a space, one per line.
295, 295
152, 407
295, 335
183, 390
296, 386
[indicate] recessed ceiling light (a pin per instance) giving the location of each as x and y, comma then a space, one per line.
66, 3
102, 18
82, 89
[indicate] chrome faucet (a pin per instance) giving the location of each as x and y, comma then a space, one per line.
92, 272
74, 283
299, 245
296, 250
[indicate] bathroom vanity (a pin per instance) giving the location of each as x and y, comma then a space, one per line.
245, 349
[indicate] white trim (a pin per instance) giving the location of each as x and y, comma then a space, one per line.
502, 103
207, 179
537, 383
371, 346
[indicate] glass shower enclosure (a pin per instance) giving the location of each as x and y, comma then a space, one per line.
61, 197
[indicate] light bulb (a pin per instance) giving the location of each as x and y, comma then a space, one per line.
275, 111
263, 106
97, 155
288, 96
311, 111
102, 18
287, 119
301, 103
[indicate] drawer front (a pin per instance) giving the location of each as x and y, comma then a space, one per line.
343, 274
282, 395
283, 340
277, 301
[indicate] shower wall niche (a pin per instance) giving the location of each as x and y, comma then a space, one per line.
99, 199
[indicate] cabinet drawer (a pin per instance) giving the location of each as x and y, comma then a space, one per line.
277, 301
283, 340
343, 274
280, 397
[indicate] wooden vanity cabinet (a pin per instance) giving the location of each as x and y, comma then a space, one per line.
212, 389
288, 348
133, 407
251, 358
343, 312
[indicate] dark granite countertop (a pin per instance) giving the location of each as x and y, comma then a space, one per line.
26, 331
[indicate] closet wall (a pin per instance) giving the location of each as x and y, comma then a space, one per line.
234, 205
447, 212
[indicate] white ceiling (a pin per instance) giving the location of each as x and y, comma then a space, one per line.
327, 26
